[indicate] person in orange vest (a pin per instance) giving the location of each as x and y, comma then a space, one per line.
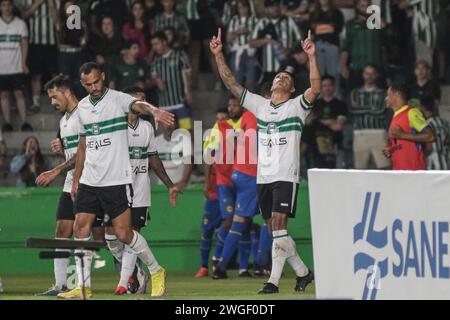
409, 132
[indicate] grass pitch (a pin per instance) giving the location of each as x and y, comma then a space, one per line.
180, 286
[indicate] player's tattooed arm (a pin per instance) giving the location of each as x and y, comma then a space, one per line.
47, 177
225, 73
314, 74
160, 116
157, 166
79, 166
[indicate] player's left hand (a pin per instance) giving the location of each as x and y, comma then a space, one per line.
173, 194
45, 178
396, 132
163, 117
308, 45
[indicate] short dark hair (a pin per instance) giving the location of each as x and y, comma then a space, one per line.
427, 102
160, 35
127, 44
402, 89
222, 110
371, 65
133, 89
328, 77
87, 67
61, 81
1, 1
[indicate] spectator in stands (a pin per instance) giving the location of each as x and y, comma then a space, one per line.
275, 34
439, 155
13, 65
424, 86
203, 20
361, 46
230, 9
170, 36
323, 134
243, 60
42, 16
172, 75
138, 29
151, 9
128, 71
327, 22
425, 16
71, 43
3, 159
409, 132
106, 47
368, 112
29, 164
300, 11
171, 18
98, 9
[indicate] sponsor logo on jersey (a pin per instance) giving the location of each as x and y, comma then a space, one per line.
137, 153
140, 169
97, 144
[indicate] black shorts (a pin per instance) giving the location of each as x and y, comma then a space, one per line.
43, 59
65, 210
12, 82
278, 196
112, 200
139, 218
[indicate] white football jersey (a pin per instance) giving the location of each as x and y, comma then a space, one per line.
69, 127
174, 153
11, 36
105, 125
141, 140
279, 133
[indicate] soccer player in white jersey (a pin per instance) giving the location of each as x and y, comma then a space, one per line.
103, 176
143, 157
60, 91
280, 123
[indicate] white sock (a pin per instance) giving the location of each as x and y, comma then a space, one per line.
140, 246
128, 263
37, 100
294, 260
115, 246
280, 247
86, 271
60, 269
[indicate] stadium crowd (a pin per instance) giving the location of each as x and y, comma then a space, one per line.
133, 41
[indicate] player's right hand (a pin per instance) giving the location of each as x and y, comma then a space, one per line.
216, 43
387, 152
73, 192
163, 117
45, 178
56, 147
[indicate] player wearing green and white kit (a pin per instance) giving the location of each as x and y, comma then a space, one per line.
61, 92
143, 157
103, 177
280, 123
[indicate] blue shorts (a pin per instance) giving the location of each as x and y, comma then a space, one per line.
246, 195
211, 217
227, 197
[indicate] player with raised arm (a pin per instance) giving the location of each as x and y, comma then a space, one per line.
280, 124
61, 92
103, 176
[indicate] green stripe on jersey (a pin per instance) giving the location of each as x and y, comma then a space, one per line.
118, 127
71, 145
71, 138
291, 120
284, 129
106, 123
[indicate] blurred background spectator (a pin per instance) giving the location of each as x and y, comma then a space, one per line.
29, 163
